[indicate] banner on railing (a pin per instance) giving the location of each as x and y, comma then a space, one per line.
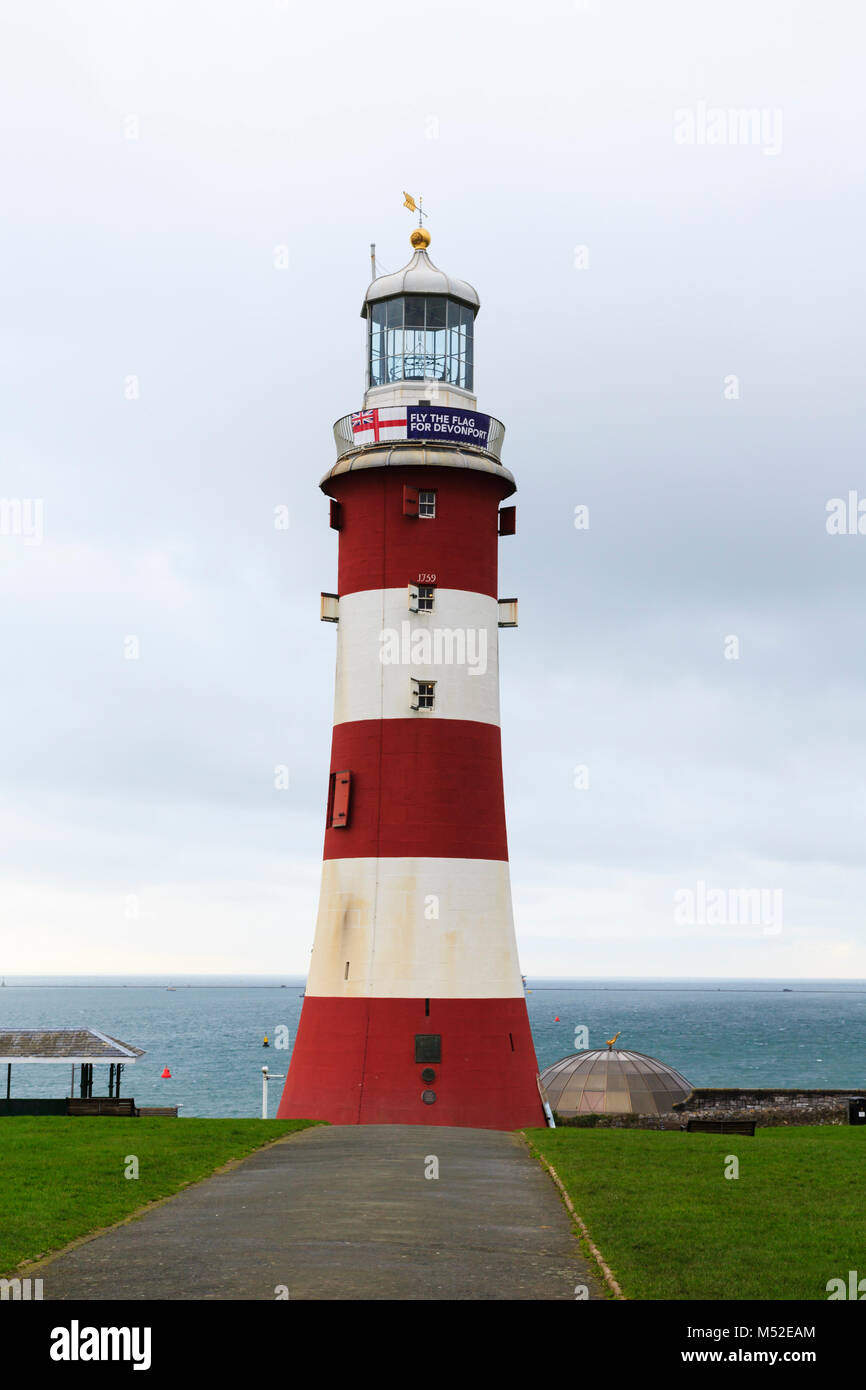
437, 423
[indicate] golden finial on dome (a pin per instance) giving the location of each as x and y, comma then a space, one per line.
420, 238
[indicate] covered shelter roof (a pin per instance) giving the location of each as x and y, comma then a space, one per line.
84, 1045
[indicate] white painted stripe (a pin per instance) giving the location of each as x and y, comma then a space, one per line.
415, 929
381, 646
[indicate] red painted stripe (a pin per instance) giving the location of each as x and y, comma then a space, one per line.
430, 787
354, 1063
380, 548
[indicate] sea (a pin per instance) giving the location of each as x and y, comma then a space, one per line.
208, 1031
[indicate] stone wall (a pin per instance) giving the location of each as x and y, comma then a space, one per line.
619, 1121
767, 1107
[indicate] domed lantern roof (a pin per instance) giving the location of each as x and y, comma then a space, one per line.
612, 1081
420, 276
420, 328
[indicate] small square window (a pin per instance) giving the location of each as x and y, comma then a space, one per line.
425, 598
427, 502
423, 693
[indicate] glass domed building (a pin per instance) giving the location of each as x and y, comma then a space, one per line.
612, 1081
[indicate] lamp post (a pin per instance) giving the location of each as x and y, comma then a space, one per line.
266, 1077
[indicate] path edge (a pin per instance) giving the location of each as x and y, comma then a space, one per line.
606, 1271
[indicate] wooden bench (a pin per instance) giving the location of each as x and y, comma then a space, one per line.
101, 1105
721, 1126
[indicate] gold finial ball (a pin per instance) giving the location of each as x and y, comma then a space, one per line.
420, 238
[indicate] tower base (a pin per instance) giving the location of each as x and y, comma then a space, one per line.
354, 1063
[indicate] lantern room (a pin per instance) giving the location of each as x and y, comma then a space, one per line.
420, 333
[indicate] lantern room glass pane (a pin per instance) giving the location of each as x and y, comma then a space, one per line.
436, 309
415, 342
377, 337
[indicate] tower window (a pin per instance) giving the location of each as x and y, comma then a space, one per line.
421, 598
427, 502
423, 693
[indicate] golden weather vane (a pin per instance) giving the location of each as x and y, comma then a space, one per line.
409, 202
610, 1041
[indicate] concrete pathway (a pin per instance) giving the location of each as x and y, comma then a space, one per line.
346, 1212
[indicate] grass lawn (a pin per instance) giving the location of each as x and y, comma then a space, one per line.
62, 1177
670, 1225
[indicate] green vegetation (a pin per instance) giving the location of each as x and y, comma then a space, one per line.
670, 1224
61, 1178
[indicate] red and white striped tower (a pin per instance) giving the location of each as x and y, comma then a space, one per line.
414, 1010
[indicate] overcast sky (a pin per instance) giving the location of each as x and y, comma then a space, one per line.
672, 332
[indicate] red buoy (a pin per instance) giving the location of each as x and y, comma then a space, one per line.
557, 1020
165, 1072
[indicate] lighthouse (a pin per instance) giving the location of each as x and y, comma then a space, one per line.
414, 1011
